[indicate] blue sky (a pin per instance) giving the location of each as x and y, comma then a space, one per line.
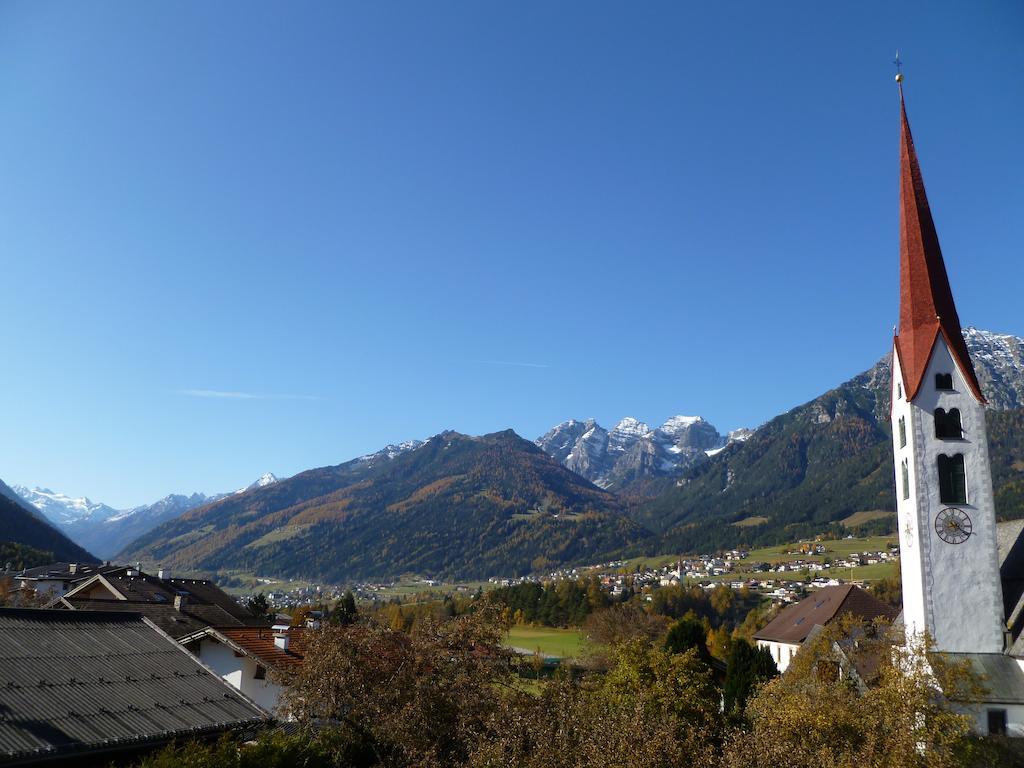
241, 237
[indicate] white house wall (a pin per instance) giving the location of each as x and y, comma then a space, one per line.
240, 672
782, 653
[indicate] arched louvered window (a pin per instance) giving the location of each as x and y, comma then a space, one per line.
952, 479
947, 424
944, 381
906, 479
903, 432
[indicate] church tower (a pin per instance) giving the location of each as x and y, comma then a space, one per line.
946, 516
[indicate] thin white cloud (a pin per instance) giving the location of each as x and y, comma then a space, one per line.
515, 364
216, 394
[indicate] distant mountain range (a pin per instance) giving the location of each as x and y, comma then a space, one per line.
462, 506
105, 531
453, 506
830, 460
631, 457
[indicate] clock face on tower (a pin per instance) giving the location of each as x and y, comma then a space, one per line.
953, 525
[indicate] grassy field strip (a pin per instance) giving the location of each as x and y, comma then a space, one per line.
551, 642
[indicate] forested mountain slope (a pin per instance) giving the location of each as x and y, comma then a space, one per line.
453, 506
822, 462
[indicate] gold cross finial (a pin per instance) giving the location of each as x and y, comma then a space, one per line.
899, 69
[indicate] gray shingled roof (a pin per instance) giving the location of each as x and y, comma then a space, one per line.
1001, 676
74, 682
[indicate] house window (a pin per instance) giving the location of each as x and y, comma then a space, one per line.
260, 673
947, 424
944, 381
905, 469
952, 480
997, 722
903, 432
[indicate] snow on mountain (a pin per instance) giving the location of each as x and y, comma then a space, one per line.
62, 509
105, 531
631, 450
740, 435
267, 478
391, 451
999, 362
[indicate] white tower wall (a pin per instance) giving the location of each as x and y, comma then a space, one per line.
950, 591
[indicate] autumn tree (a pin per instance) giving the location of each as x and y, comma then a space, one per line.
421, 698
652, 709
624, 623
856, 697
722, 599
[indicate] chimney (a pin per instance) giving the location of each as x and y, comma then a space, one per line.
129, 572
281, 640
163, 573
72, 568
180, 601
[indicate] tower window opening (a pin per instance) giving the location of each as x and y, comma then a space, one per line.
899, 391
952, 479
947, 424
944, 381
903, 432
905, 469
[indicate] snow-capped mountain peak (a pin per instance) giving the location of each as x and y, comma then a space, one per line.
631, 426
392, 450
267, 478
61, 508
677, 423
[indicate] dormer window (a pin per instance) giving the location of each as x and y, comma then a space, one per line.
947, 424
952, 479
944, 382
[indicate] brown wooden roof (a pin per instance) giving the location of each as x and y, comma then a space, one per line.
794, 623
259, 643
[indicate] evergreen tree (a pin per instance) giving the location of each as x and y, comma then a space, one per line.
685, 634
345, 612
258, 606
748, 667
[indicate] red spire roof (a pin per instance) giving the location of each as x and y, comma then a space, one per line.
926, 301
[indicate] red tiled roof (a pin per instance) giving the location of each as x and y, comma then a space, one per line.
926, 301
794, 623
259, 642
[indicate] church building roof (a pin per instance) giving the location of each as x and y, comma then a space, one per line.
926, 301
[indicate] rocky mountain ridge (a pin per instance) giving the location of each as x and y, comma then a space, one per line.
621, 458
